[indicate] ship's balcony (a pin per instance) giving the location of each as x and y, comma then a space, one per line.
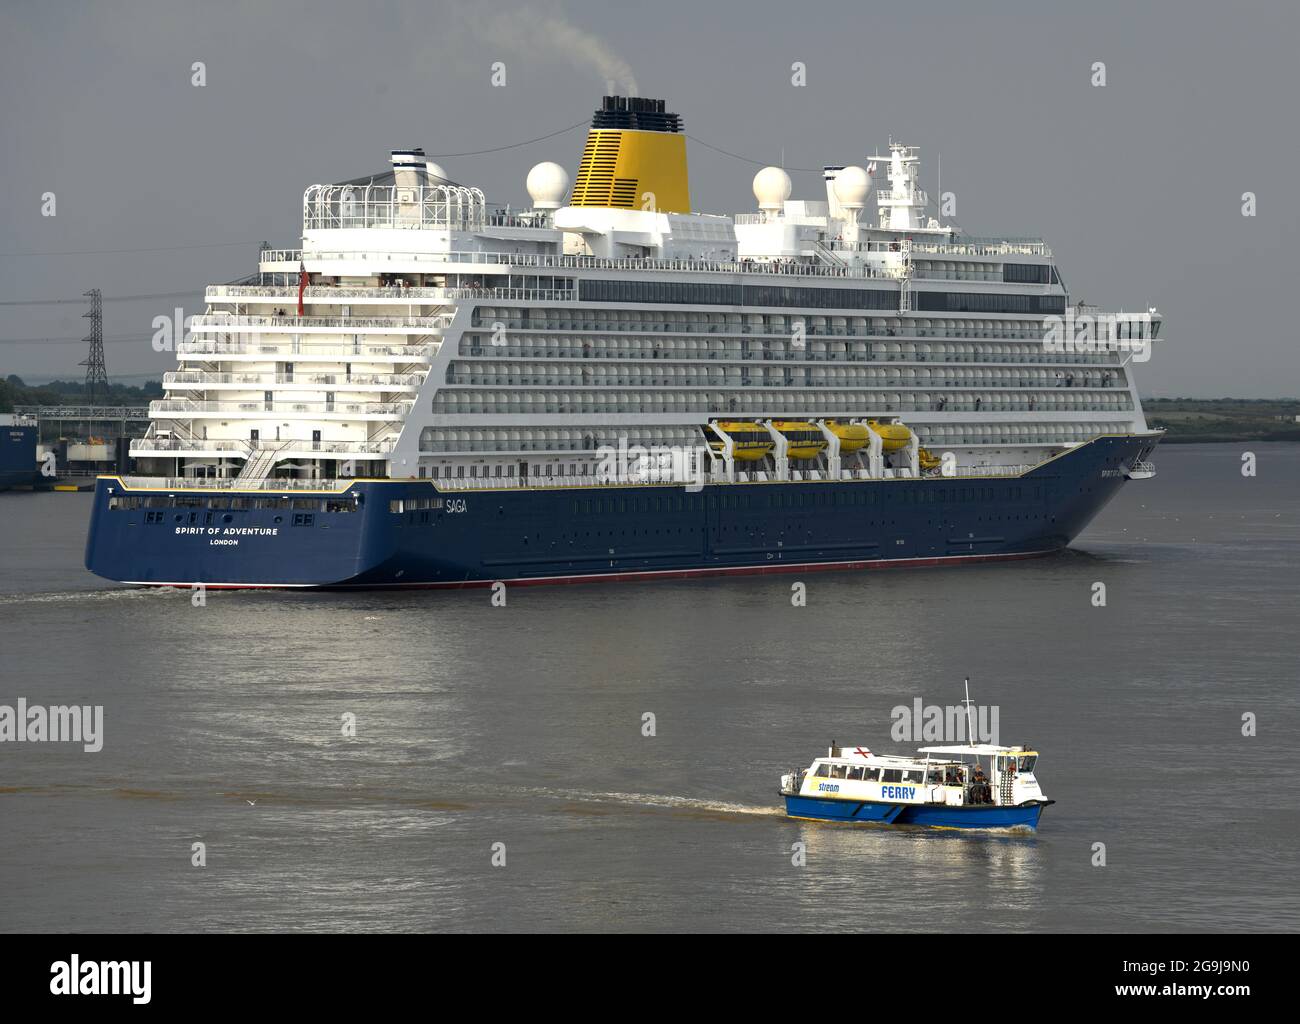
288, 350
202, 380
167, 408
288, 293
289, 260
238, 324
162, 447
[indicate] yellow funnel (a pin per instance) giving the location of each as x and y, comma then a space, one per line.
635, 158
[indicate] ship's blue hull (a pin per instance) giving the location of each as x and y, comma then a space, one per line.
568, 534
974, 816
17, 456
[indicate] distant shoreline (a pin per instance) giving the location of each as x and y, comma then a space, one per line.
1188, 420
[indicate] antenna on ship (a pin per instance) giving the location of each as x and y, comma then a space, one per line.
970, 728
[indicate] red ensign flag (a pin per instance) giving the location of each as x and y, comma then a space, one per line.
302, 283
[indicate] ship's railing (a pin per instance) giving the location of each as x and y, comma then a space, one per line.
163, 444
516, 483
785, 266
320, 291
741, 477
400, 381
304, 351
962, 247
814, 327
327, 292
163, 483
169, 407
82, 412
393, 206
227, 321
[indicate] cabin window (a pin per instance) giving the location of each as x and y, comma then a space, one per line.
855, 774
892, 775
912, 776
840, 771
1027, 763
870, 774
823, 771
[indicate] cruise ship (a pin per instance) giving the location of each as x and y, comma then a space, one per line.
438, 391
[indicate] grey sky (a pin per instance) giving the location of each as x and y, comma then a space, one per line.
1137, 186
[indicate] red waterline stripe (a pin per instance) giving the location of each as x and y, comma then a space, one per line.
628, 577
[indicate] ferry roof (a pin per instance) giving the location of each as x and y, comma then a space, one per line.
887, 760
986, 749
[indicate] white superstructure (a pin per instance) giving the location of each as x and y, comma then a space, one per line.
442, 336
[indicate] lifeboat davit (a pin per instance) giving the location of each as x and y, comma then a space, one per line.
893, 436
750, 441
852, 435
804, 440
928, 460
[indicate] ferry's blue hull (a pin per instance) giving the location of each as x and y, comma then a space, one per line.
17, 456
570, 534
975, 816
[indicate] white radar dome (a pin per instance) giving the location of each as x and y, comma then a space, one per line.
771, 188
548, 184
851, 187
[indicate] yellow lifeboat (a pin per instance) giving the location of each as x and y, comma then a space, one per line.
750, 441
852, 435
805, 440
928, 461
893, 436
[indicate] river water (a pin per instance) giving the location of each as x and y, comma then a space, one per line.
523, 726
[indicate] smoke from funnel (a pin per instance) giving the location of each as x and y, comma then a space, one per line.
533, 35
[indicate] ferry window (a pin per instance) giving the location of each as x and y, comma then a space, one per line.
855, 774
840, 771
1027, 763
892, 775
870, 774
823, 771
395, 505
912, 776
305, 504
434, 473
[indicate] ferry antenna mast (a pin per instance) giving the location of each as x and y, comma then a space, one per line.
970, 725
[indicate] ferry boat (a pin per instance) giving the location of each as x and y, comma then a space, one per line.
437, 391
937, 787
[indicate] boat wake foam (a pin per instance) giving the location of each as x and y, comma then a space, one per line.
667, 802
